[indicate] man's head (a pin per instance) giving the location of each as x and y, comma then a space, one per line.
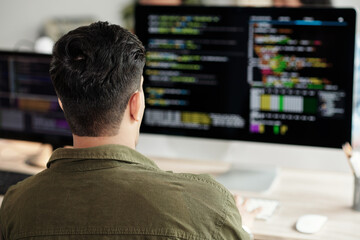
95, 70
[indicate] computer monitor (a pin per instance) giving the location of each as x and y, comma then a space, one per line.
29, 109
269, 75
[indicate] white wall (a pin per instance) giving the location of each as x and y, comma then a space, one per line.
349, 3
22, 19
346, 3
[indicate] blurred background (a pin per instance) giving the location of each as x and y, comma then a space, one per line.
24, 22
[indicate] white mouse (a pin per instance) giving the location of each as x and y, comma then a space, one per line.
310, 223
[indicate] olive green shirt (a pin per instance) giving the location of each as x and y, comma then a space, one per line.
114, 192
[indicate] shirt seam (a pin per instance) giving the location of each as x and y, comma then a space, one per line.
224, 216
221, 220
109, 231
212, 182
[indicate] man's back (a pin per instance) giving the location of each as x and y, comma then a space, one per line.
113, 192
102, 188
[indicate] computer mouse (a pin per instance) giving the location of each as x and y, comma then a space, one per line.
310, 223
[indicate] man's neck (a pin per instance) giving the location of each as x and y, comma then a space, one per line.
86, 142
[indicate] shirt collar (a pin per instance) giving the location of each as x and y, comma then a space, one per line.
104, 152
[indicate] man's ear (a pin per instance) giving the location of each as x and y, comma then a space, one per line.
135, 106
60, 104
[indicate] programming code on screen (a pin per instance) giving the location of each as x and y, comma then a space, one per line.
29, 106
273, 75
196, 64
292, 77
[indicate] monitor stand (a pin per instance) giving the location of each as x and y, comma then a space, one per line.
41, 157
247, 178
238, 176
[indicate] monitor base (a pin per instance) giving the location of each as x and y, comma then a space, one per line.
242, 178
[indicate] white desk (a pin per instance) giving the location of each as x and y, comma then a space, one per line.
298, 191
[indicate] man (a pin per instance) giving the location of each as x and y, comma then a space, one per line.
102, 188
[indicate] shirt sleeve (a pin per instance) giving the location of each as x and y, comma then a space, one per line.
232, 227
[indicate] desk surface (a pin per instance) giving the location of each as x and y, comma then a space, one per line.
298, 191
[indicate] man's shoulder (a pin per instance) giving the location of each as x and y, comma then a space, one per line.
21, 187
201, 190
203, 181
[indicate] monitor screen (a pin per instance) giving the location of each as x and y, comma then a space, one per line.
29, 109
275, 75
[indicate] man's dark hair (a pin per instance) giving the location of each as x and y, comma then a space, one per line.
95, 69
